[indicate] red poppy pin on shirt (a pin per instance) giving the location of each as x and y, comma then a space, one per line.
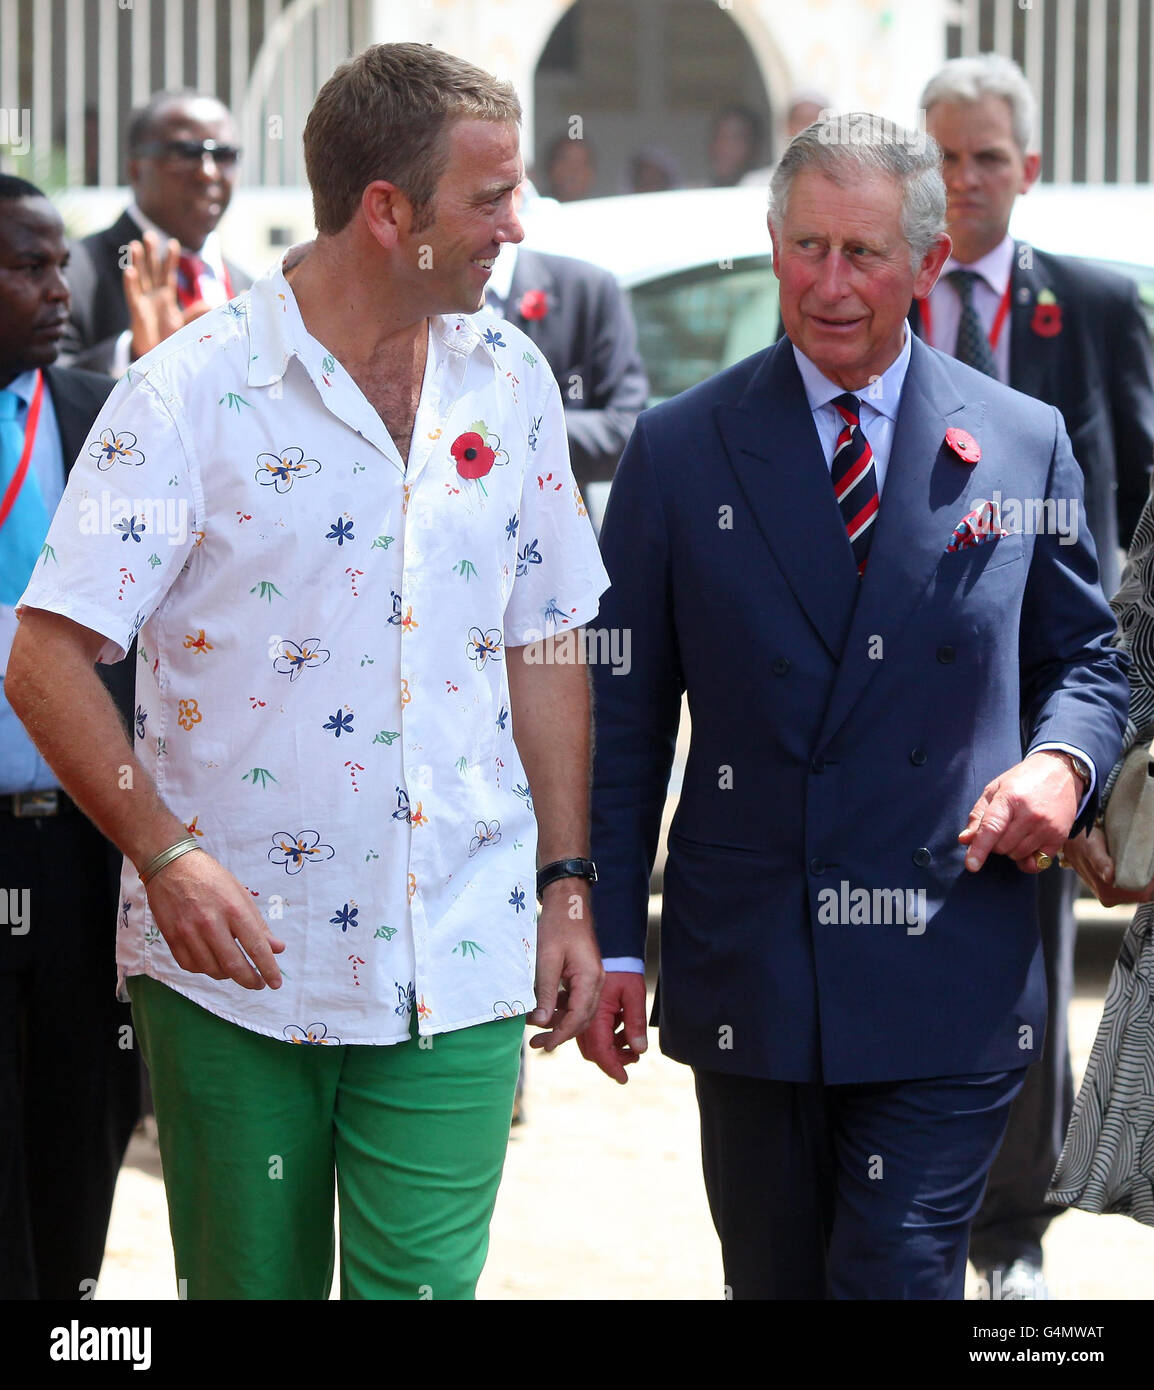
1047, 320
473, 455
964, 445
534, 304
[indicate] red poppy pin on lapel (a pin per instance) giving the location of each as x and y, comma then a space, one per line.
534, 304
964, 445
1047, 320
473, 455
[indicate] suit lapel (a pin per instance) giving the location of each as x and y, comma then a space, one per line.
72, 419
532, 273
1033, 358
927, 491
774, 450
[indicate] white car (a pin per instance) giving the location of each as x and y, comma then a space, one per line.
697, 262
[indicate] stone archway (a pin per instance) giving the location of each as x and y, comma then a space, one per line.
630, 74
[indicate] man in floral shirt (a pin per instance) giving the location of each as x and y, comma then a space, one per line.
341, 518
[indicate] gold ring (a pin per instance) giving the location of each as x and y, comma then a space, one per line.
1043, 860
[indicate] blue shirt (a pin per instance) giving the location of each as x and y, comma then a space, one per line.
22, 769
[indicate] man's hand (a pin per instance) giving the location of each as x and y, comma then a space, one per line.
211, 924
569, 973
154, 310
1090, 857
1030, 807
616, 1038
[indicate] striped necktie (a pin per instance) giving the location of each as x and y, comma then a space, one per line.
973, 346
855, 479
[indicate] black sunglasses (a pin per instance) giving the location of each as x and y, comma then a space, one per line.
192, 151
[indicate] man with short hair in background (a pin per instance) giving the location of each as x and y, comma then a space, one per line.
160, 264
1073, 335
69, 1079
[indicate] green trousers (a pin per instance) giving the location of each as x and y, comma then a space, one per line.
253, 1131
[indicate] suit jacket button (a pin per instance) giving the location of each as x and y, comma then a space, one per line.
922, 857
817, 866
918, 757
781, 665
946, 655
817, 763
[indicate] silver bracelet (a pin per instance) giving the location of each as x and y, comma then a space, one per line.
165, 857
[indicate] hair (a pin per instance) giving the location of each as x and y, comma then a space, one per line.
987, 75
385, 114
862, 144
143, 121
12, 188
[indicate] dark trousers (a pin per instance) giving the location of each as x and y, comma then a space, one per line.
69, 1075
1014, 1216
849, 1192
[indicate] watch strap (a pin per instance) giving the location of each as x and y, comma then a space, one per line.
565, 868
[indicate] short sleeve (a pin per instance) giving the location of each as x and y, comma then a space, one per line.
126, 523
559, 577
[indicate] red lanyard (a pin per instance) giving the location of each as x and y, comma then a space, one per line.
17, 481
995, 331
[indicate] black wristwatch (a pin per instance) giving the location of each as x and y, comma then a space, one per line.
565, 868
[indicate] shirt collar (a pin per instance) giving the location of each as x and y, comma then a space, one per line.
883, 395
501, 277
209, 253
23, 385
994, 267
277, 332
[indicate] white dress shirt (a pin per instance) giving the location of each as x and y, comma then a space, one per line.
994, 270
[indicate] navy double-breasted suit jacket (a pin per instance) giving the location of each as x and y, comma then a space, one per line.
841, 729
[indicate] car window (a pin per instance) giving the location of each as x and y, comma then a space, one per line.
693, 324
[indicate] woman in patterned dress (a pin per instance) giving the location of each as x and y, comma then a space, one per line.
1107, 1163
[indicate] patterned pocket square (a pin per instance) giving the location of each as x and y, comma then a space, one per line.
983, 524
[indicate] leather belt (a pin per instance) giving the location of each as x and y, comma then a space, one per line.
27, 805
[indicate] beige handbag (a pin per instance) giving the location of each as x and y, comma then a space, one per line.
1130, 821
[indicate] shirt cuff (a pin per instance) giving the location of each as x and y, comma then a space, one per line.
633, 964
1074, 753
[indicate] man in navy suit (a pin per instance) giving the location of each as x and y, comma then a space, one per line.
578, 316
900, 705
1073, 335
69, 1076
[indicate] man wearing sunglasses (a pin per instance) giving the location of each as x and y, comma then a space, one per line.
159, 265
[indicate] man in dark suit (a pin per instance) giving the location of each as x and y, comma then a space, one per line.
898, 707
182, 164
69, 1080
580, 319
1073, 335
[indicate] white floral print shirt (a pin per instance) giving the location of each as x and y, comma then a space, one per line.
321, 685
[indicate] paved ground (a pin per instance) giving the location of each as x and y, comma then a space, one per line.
603, 1198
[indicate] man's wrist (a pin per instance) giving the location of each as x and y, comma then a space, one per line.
559, 869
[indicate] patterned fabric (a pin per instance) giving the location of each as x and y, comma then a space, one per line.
1107, 1163
322, 692
972, 347
855, 481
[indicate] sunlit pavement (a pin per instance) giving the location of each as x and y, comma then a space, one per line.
603, 1199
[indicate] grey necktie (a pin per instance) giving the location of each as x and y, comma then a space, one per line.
973, 347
